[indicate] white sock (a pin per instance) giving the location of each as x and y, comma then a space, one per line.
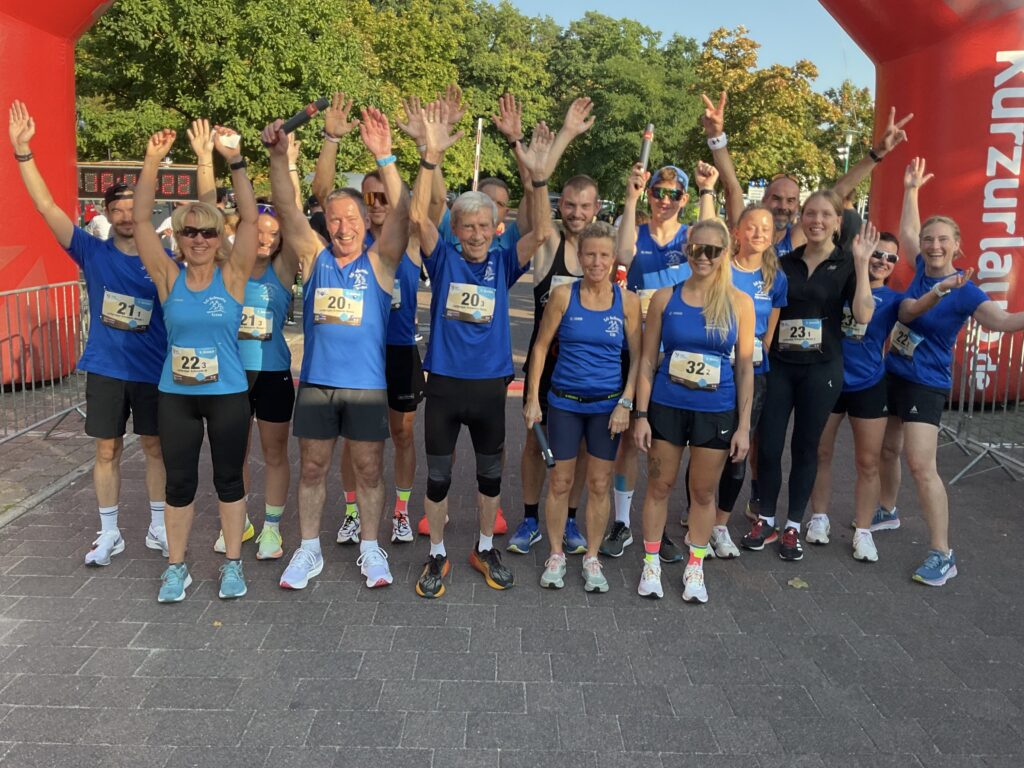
437, 549
791, 524
486, 542
156, 512
623, 500
108, 518
312, 545
769, 521
816, 516
861, 532
367, 546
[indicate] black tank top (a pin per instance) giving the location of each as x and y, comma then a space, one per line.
541, 292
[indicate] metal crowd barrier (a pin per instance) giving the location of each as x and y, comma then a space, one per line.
985, 417
42, 335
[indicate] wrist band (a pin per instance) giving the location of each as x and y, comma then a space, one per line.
708, 192
718, 142
238, 165
331, 138
385, 161
23, 158
538, 183
293, 169
875, 156
421, 148
427, 165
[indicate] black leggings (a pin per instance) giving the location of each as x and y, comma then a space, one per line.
809, 392
181, 439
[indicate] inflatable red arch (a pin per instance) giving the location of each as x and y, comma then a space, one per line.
955, 64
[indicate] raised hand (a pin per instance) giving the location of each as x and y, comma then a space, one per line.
438, 136
578, 119
201, 139
414, 126
274, 139
915, 177
375, 131
293, 152
706, 175
959, 280
160, 144
509, 120
336, 116
22, 127
637, 182
535, 157
864, 244
713, 118
226, 141
893, 134
453, 99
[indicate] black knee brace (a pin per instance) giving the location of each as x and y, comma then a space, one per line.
488, 474
439, 477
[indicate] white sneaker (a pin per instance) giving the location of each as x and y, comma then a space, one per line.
304, 566
554, 572
374, 566
650, 580
400, 529
106, 546
722, 544
818, 530
156, 538
864, 547
349, 531
693, 584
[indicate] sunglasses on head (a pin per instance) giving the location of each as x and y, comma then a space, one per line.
664, 193
266, 208
207, 233
375, 197
789, 176
892, 258
709, 252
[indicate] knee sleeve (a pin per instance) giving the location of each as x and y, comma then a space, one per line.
439, 477
230, 486
181, 488
488, 474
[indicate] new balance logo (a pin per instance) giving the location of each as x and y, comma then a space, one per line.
913, 409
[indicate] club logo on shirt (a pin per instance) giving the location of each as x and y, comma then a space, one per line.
613, 325
489, 273
214, 306
360, 279
674, 258
759, 291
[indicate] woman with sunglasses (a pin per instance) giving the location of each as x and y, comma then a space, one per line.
864, 399
693, 397
806, 363
203, 382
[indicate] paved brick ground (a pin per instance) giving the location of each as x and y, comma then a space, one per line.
861, 667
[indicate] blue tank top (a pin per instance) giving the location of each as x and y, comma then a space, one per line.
785, 245
261, 339
402, 320
695, 374
469, 324
752, 284
864, 343
202, 340
656, 265
344, 321
589, 354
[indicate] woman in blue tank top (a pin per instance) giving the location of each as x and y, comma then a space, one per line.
694, 397
590, 319
203, 385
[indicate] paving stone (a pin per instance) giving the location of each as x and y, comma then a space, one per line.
528, 667
485, 731
49, 690
456, 666
771, 701
463, 696
554, 698
506, 640
205, 757
532, 758
466, 758
437, 639
338, 664
658, 733
624, 698
61, 725
580, 733
387, 665
49, 755
421, 695
209, 728
270, 729
822, 736
430, 730
367, 638
356, 729
337, 694
383, 758
192, 693
302, 757
967, 736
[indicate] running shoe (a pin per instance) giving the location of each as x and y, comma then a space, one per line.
650, 580
373, 564
572, 539
694, 590
349, 531
304, 566
722, 545
248, 533
500, 524
423, 526
106, 546
818, 530
270, 544
618, 538
232, 581
864, 547
526, 535
937, 569
593, 575
173, 583
400, 529
789, 545
156, 538
884, 520
489, 564
670, 552
431, 581
554, 572
760, 534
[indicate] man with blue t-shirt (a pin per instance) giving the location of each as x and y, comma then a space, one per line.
125, 350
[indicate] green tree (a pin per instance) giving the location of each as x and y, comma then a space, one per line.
855, 108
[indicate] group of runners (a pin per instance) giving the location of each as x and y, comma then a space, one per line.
647, 339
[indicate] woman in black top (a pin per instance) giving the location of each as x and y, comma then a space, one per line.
806, 364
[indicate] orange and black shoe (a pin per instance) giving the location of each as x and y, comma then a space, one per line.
489, 564
431, 581
500, 524
760, 534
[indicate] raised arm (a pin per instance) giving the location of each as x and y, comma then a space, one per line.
415, 128
336, 125
509, 122
375, 132
625, 237
864, 244
550, 320
243, 252
536, 160
706, 176
911, 309
714, 128
22, 128
162, 270
578, 120
201, 138
437, 138
891, 136
910, 218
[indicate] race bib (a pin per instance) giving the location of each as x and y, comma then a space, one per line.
396, 295
694, 370
853, 330
557, 280
337, 306
192, 366
645, 294
469, 303
904, 341
257, 324
758, 356
800, 335
126, 313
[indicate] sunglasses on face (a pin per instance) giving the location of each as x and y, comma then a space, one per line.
665, 193
266, 208
375, 197
207, 233
709, 252
892, 258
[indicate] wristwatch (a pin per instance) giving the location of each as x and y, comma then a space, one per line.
937, 290
626, 403
640, 414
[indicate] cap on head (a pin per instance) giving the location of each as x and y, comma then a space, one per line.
670, 173
118, 192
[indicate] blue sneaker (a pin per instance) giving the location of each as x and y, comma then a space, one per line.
572, 540
885, 520
232, 582
527, 534
175, 581
937, 569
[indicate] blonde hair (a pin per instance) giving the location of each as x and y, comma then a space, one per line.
206, 216
594, 230
769, 259
719, 310
949, 223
